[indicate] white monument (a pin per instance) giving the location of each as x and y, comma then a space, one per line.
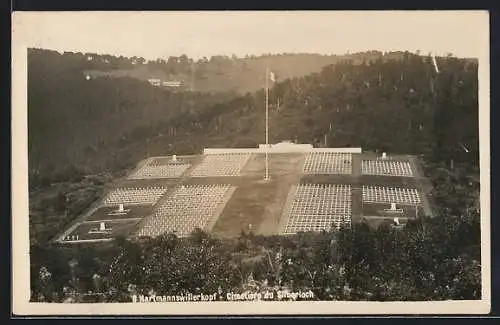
393, 209
174, 158
384, 155
102, 226
396, 221
120, 211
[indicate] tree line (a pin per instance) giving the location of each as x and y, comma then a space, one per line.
429, 259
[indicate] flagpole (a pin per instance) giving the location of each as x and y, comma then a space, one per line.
267, 124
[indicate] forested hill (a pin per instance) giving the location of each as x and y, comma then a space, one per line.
395, 102
71, 118
396, 105
218, 73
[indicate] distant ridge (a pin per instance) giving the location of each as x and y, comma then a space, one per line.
215, 74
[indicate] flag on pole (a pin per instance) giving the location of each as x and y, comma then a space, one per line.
435, 63
272, 76
269, 76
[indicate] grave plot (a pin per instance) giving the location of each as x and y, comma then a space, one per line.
328, 163
120, 212
386, 210
381, 194
386, 168
161, 168
318, 207
186, 208
134, 195
100, 230
220, 165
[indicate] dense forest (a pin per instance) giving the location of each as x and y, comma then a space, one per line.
84, 133
431, 259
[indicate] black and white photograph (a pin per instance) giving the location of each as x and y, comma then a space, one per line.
248, 162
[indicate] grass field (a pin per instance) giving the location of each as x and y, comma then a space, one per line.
257, 202
135, 211
118, 228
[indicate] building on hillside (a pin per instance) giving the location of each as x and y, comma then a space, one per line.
165, 83
155, 81
175, 83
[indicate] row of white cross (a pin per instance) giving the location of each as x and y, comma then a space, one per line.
315, 206
341, 163
185, 209
135, 195
386, 168
160, 171
382, 194
211, 166
328, 163
313, 224
319, 207
231, 165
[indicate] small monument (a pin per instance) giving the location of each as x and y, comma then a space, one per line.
102, 226
393, 209
120, 211
396, 222
174, 158
384, 155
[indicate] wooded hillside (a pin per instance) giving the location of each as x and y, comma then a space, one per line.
396, 103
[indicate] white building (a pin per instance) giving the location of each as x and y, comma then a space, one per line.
155, 81
172, 83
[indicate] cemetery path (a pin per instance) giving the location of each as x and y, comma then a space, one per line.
423, 184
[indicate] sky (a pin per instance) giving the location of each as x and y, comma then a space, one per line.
162, 34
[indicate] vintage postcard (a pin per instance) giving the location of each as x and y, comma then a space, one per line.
250, 163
